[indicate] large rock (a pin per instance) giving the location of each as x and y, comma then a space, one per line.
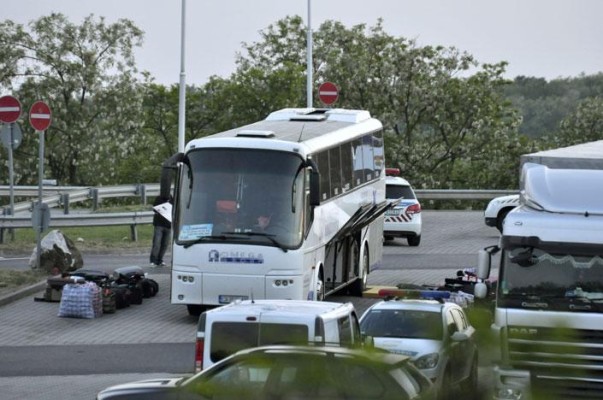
58, 254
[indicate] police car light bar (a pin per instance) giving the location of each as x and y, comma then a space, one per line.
392, 171
414, 294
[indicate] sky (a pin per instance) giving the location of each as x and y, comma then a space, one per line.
542, 38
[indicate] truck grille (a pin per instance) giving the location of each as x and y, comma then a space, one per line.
565, 363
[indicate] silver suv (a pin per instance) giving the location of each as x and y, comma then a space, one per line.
436, 335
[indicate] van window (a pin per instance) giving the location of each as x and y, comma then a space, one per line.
229, 337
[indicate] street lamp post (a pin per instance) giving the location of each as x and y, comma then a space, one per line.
182, 93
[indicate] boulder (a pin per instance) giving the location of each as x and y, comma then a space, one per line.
58, 254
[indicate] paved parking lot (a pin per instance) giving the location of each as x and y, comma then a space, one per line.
450, 241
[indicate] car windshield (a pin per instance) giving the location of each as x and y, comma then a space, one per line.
414, 324
398, 192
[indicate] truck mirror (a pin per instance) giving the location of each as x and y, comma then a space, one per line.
314, 188
484, 261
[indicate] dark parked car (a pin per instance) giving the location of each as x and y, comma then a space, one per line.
291, 372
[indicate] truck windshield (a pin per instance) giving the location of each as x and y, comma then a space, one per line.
241, 195
536, 273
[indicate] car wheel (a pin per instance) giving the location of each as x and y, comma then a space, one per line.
501, 218
414, 240
469, 385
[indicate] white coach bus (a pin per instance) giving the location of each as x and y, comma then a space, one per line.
314, 176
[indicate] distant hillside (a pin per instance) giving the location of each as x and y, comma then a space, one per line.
544, 104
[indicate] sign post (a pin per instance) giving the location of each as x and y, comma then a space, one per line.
39, 119
328, 93
10, 111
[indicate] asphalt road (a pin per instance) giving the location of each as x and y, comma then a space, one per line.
45, 357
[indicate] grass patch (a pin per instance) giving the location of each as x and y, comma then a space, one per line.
84, 238
15, 279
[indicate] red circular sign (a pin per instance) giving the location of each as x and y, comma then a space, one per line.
39, 116
327, 92
10, 109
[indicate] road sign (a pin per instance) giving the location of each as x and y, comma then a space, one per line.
39, 116
328, 93
11, 136
10, 109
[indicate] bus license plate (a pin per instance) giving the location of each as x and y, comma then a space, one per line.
393, 212
227, 298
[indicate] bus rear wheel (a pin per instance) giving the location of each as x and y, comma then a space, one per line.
359, 286
320, 288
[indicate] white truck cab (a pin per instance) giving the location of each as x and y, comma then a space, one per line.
244, 324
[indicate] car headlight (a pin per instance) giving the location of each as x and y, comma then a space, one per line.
427, 361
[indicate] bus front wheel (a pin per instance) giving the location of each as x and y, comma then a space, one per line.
195, 309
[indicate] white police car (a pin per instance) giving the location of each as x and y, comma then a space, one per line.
498, 208
436, 335
404, 219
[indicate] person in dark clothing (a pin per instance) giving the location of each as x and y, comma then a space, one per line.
162, 228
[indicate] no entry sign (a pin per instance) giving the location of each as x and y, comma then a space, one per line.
39, 116
10, 109
327, 92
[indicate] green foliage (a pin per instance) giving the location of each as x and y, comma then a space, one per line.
450, 122
545, 104
87, 74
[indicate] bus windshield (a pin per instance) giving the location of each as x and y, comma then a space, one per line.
247, 196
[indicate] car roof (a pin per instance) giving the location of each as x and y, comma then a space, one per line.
396, 180
283, 306
376, 356
413, 304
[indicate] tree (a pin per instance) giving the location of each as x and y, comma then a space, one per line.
583, 125
87, 74
444, 116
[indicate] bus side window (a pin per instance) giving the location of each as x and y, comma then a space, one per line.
335, 171
322, 160
347, 167
358, 162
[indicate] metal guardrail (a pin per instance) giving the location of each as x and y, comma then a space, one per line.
63, 196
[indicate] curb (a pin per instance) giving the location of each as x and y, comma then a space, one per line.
21, 293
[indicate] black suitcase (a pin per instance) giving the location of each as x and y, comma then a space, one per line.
128, 274
91, 275
122, 295
150, 287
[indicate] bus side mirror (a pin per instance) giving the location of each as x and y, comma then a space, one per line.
484, 261
314, 188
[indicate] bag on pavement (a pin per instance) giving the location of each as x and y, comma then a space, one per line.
81, 300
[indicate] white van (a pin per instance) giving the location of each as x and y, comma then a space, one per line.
244, 324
